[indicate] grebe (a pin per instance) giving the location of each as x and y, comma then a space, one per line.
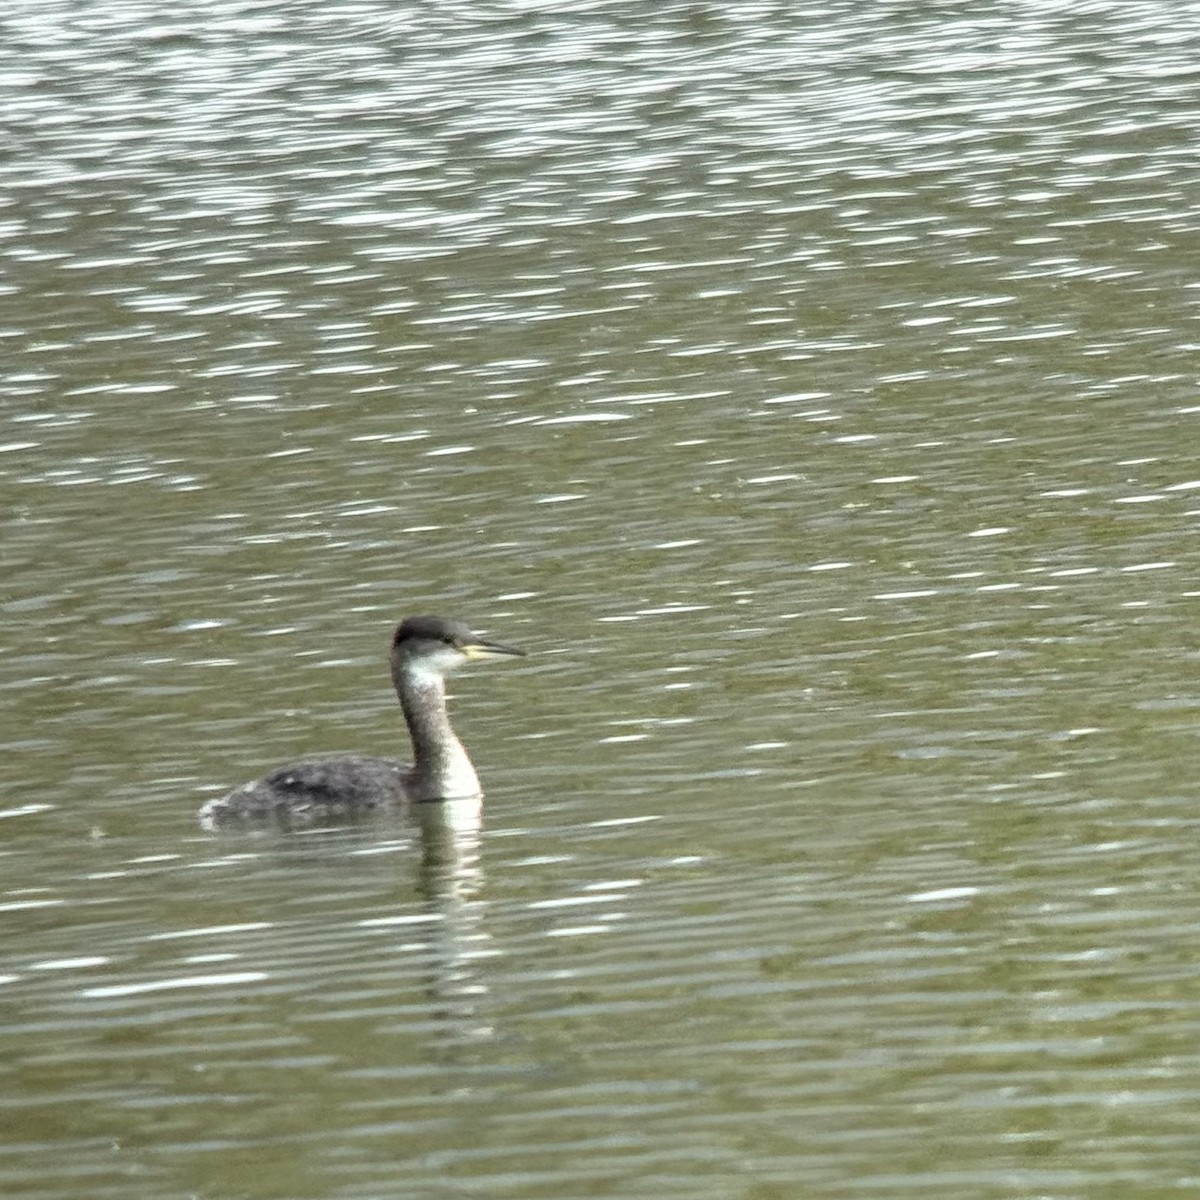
424, 651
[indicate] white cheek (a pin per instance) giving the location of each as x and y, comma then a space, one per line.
450, 660
432, 667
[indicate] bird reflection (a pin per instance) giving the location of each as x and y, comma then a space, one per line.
450, 882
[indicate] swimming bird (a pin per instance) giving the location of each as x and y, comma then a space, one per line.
424, 651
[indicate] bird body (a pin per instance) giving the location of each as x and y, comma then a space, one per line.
424, 651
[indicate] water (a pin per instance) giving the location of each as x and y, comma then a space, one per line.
810, 390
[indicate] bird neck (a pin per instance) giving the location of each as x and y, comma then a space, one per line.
441, 767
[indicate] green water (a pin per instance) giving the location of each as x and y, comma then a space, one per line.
811, 392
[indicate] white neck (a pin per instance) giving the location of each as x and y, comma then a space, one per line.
441, 768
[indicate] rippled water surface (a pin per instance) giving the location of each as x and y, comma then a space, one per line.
811, 389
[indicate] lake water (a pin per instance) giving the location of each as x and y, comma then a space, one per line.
811, 390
